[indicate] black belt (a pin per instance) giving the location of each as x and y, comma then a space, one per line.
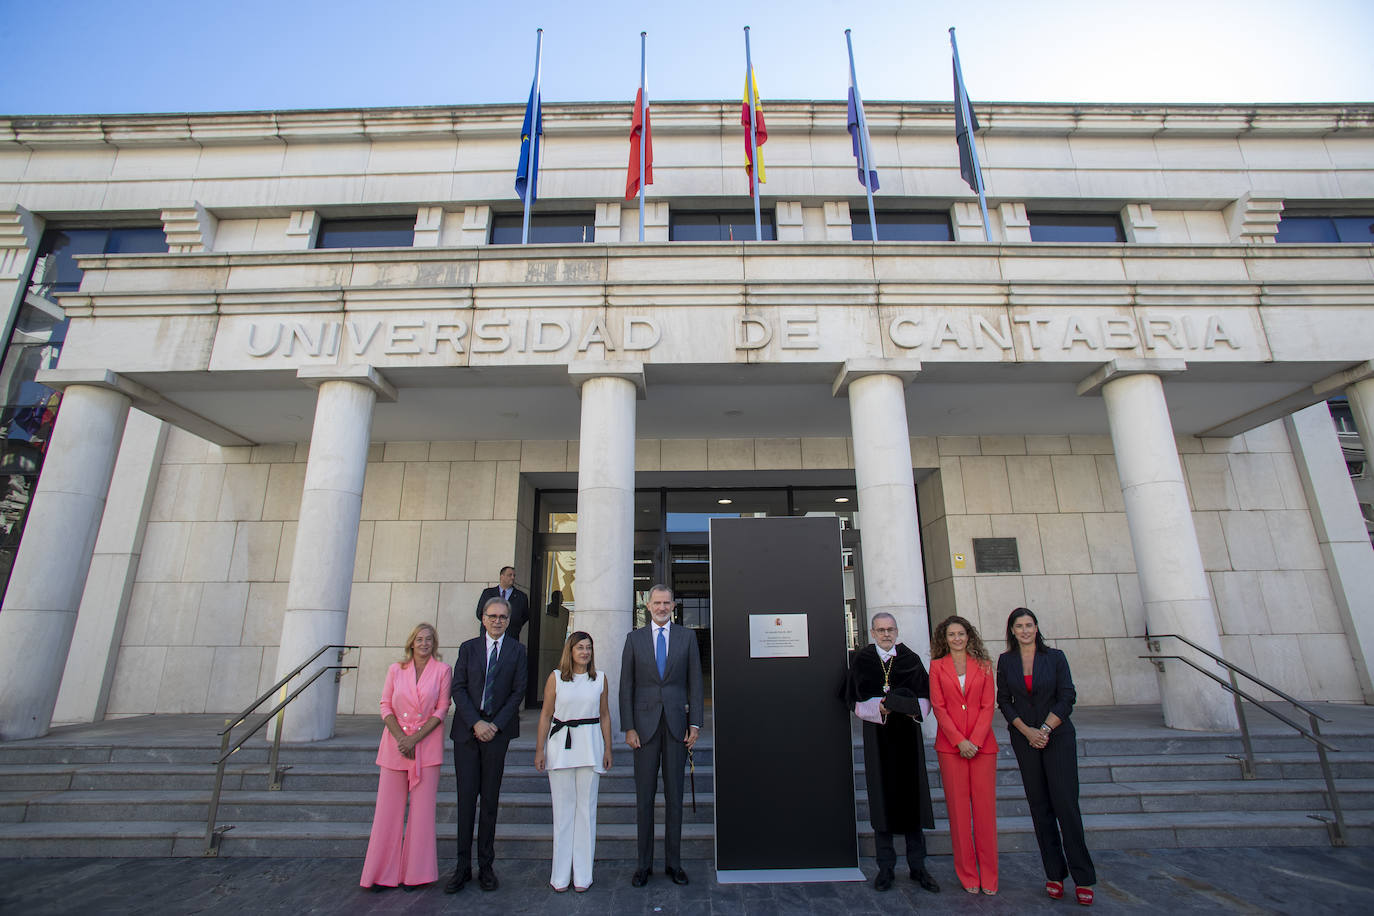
570, 725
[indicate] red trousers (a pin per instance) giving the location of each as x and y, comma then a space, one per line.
971, 796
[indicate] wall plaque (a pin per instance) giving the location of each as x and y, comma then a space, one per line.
996, 555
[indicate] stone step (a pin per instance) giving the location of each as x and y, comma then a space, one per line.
619, 807
617, 841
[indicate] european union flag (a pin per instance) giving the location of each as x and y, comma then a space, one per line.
526, 172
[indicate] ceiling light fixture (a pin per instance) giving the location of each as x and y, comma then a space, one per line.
725, 502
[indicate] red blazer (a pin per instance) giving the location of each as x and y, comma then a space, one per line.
962, 714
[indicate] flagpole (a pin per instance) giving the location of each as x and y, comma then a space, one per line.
863, 136
531, 179
643, 129
750, 91
968, 131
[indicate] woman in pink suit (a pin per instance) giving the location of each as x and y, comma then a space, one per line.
963, 694
414, 702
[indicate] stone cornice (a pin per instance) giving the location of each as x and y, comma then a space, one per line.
740, 274
611, 118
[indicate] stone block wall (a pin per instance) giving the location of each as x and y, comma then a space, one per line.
1060, 497
439, 519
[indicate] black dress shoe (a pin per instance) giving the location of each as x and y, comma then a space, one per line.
461, 876
884, 880
487, 880
640, 878
678, 875
926, 880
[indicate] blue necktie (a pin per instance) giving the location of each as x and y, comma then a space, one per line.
491, 678
661, 653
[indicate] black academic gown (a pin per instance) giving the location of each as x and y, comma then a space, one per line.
894, 752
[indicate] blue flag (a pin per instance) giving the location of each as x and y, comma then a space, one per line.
526, 172
963, 133
858, 133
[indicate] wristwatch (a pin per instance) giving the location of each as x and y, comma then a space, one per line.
1046, 729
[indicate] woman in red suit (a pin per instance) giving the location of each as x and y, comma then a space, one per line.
962, 694
414, 703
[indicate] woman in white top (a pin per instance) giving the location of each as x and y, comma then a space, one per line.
573, 744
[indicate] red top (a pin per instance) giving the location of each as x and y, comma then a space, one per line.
1028, 683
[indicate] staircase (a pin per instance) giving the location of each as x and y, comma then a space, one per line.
140, 787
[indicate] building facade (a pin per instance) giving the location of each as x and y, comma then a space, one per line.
306, 391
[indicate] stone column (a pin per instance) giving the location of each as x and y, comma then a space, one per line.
605, 510
1359, 391
327, 539
1173, 582
49, 575
893, 574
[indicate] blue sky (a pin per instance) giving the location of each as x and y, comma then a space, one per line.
88, 56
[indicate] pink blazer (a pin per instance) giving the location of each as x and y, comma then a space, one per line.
963, 713
413, 704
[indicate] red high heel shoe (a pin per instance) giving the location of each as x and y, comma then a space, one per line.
1084, 895
1055, 889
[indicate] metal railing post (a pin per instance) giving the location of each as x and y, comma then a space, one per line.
273, 775
1335, 827
212, 836
1335, 830
228, 748
1247, 765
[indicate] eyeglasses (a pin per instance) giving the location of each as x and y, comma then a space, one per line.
884, 629
497, 616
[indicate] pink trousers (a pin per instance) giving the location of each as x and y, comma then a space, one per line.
399, 852
971, 796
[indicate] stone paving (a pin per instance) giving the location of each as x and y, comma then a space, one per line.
1241, 880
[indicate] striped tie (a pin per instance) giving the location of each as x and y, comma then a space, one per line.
491, 679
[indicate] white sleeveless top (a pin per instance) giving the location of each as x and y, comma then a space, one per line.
579, 698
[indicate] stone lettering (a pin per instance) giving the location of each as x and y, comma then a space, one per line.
946, 332
450, 332
752, 334
1118, 333
257, 349
1154, 329
360, 340
596, 333
1076, 332
543, 344
905, 332
1033, 326
402, 338
800, 334
648, 339
493, 335
1216, 334
983, 329
313, 345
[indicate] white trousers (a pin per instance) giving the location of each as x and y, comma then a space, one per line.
574, 825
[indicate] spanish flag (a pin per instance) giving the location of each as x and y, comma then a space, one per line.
751, 87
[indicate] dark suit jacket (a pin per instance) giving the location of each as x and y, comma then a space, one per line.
1051, 689
470, 679
678, 696
519, 608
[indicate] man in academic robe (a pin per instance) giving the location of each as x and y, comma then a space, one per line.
888, 689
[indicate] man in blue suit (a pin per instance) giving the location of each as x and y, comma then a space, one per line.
488, 682
661, 699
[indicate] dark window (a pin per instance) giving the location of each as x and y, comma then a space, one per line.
703, 226
29, 410
56, 270
1341, 415
391, 232
1326, 229
545, 228
901, 226
1076, 227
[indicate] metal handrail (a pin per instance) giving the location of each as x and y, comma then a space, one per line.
1335, 828
213, 834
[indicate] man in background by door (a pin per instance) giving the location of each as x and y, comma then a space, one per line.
519, 602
